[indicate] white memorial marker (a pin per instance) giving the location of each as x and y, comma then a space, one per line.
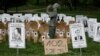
45, 17
82, 19
5, 18
79, 18
91, 27
18, 17
67, 19
78, 35
97, 33
16, 35
60, 17
27, 17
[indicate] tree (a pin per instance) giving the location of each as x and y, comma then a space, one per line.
37, 2
5, 4
47, 2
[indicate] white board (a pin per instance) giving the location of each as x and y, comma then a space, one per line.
16, 35
28, 16
18, 17
79, 18
45, 17
61, 16
82, 19
91, 27
97, 33
5, 18
67, 19
78, 35
36, 18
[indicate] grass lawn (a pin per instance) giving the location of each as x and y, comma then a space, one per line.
32, 49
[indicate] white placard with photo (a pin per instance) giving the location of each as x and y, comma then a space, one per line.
97, 33
78, 35
79, 18
5, 18
16, 35
82, 19
67, 19
91, 27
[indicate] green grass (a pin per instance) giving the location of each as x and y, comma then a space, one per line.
37, 49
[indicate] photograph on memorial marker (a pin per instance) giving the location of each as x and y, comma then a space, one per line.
85, 23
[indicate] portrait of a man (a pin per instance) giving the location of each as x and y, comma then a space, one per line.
16, 34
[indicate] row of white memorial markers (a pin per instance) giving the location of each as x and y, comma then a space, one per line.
57, 46
91, 26
33, 17
21, 18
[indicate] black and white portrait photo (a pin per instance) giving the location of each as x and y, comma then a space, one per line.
78, 36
